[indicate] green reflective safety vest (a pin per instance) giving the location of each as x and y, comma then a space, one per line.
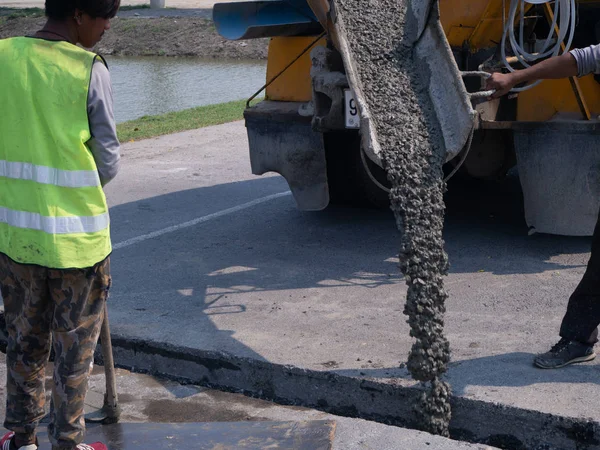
53, 211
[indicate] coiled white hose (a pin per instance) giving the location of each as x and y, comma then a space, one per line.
566, 10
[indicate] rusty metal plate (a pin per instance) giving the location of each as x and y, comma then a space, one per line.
309, 435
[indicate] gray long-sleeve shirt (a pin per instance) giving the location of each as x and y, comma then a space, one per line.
104, 143
588, 60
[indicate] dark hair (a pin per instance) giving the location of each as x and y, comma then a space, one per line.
63, 9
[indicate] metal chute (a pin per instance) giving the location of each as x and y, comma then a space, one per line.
452, 102
266, 18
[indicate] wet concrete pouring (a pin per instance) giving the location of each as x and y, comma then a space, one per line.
413, 154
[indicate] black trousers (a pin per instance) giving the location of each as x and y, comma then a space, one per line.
583, 313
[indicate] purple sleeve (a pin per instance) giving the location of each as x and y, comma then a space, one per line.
588, 60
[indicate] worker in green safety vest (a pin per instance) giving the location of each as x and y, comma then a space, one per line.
58, 148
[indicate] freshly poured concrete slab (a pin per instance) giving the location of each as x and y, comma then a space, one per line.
312, 435
144, 399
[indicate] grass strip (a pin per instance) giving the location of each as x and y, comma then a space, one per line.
189, 119
17, 13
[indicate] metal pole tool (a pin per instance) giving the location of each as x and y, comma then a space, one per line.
110, 411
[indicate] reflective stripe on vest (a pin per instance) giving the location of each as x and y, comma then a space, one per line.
48, 175
53, 225
53, 211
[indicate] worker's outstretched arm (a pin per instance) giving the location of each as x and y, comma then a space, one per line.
563, 66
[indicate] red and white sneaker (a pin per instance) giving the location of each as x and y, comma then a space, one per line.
6, 443
94, 446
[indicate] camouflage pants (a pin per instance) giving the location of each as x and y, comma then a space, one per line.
44, 307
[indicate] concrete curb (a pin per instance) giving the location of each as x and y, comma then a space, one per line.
473, 420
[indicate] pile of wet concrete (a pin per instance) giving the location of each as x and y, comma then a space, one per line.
413, 152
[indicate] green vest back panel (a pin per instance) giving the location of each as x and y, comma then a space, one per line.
53, 211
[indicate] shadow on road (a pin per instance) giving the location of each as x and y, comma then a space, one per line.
485, 229
191, 275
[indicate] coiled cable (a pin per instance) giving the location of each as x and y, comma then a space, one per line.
565, 15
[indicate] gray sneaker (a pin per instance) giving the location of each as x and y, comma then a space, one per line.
565, 352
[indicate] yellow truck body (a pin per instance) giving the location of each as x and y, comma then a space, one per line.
548, 132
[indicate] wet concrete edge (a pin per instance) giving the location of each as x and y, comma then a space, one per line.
473, 420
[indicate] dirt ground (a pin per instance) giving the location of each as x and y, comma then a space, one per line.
164, 36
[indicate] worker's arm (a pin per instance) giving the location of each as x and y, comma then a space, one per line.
104, 143
563, 66
578, 62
